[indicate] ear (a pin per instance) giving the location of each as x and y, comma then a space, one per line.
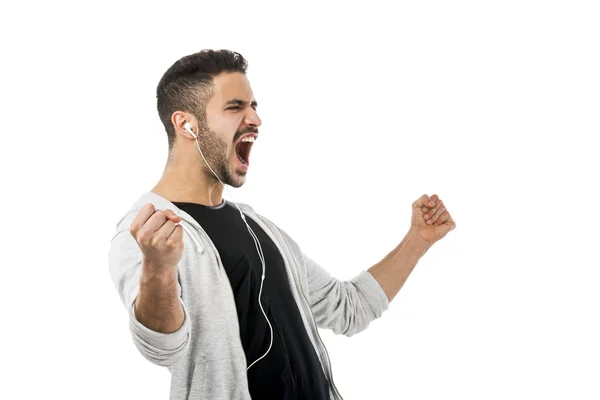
179, 119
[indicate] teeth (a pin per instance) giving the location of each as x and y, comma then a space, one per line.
248, 139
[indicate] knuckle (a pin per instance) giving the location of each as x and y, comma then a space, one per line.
142, 237
154, 242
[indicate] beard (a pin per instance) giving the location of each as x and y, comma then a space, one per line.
215, 151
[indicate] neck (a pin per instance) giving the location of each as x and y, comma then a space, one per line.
184, 181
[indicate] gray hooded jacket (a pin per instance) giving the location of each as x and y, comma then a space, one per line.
205, 356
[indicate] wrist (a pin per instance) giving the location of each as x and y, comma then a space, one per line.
414, 244
153, 272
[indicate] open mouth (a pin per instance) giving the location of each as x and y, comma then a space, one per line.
243, 148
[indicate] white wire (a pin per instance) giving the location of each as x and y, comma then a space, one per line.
258, 249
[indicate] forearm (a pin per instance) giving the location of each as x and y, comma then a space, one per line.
393, 271
157, 306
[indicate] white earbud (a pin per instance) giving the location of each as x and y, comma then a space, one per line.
188, 127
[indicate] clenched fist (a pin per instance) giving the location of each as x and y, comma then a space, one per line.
159, 236
430, 218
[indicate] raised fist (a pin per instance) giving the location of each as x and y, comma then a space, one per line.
431, 219
159, 236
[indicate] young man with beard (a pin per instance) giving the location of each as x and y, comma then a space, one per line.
219, 294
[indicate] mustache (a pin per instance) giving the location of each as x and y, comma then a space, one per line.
239, 134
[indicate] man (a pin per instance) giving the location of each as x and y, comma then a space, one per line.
219, 294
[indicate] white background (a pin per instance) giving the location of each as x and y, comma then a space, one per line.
492, 105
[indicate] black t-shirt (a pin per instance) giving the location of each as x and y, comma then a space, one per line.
291, 370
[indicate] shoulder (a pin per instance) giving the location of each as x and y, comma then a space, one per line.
251, 212
134, 208
280, 233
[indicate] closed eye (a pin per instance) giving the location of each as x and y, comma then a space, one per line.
237, 104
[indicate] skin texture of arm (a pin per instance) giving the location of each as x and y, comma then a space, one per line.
157, 306
393, 271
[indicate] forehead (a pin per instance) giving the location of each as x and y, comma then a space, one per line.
233, 85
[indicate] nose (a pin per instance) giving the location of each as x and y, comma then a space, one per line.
252, 118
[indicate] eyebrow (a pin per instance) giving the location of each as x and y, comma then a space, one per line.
238, 102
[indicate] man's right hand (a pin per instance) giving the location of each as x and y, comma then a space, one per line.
159, 236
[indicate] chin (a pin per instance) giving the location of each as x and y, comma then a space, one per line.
236, 175
237, 184
237, 180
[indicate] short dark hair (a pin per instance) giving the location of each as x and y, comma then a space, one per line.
187, 84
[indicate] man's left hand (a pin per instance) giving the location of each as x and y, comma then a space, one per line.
430, 219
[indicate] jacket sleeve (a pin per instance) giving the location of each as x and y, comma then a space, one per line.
345, 307
125, 263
